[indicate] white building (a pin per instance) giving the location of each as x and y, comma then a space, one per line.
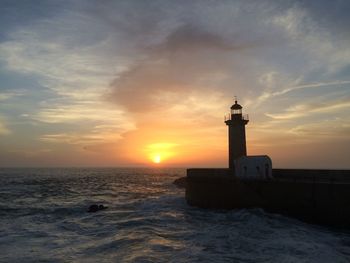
253, 167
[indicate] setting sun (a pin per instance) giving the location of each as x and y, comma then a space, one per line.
158, 152
157, 159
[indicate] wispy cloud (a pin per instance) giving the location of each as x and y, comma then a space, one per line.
308, 34
80, 112
3, 129
10, 94
268, 95
301, 110
327, 129
80, 139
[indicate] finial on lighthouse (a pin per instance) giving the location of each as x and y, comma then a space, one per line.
235, 99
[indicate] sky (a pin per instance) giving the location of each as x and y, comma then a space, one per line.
133, 83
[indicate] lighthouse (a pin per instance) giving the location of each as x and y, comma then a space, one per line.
236, 123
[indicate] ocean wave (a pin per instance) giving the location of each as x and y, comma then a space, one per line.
43, 218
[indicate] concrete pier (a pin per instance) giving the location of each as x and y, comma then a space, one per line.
319, 196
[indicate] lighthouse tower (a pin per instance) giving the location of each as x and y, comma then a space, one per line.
236, 134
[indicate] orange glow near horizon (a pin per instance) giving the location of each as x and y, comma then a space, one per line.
158, 152
178, 143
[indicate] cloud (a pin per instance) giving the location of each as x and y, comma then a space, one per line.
10, 94
165, 51
269, 95
302, 110
79, 111
3, 129
238, 47
315, 41
114, 68
72, 69
97, 124
327, 129
188, 60
80, 139
64, 71
188, 38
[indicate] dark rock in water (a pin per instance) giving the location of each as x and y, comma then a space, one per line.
181, 182
95, 208
100, 207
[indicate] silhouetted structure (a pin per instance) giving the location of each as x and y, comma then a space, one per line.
321, 196
236, 123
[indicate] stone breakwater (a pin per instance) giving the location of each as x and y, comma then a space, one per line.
319, 196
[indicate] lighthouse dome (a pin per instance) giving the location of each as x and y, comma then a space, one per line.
236, 106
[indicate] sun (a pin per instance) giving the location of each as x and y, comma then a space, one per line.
157, 158
160, 152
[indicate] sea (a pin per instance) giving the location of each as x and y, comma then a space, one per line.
44, 218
